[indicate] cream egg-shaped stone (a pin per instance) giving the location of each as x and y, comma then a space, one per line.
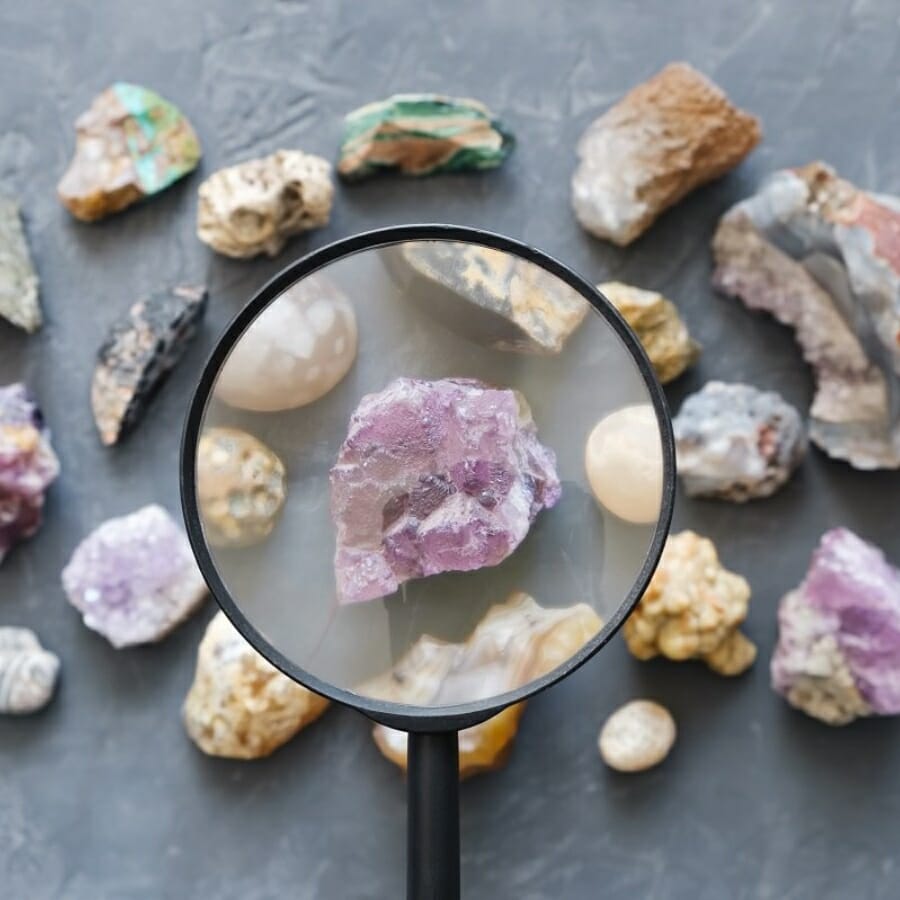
294, 352
624, 463
637, 736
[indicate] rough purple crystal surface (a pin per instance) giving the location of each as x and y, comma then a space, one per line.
28, 466
435, 476
134, 578
838, 652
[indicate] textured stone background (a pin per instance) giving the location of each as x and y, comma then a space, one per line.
102, 796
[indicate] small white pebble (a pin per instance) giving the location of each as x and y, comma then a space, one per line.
637, 736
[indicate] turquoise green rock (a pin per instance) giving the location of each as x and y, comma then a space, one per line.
422, 134
130, 144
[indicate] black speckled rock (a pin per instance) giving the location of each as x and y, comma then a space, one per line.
139, 352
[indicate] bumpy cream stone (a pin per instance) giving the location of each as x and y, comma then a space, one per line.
294, 352
240, 486
659, 328
624, 463
239, 705
255, 206
637, 736
692, 609
28, 672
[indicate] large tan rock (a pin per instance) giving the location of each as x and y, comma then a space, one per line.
240, 706
666, 137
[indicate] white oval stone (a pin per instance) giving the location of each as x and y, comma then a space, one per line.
624, 463
294, 352
637, 736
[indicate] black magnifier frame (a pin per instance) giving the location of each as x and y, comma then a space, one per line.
431, 841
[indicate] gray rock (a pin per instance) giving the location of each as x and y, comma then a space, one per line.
27, 672
736, 442
18, 280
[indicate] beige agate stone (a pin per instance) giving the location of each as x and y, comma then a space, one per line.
239, 705
294, 352
515, 643
240, 487
660, 329
637, 736
255, 206
624, 463
692, 609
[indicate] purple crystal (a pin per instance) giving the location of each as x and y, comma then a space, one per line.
134, 578
28, 466
838, 653
435, 476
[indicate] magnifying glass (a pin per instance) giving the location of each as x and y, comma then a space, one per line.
463, 476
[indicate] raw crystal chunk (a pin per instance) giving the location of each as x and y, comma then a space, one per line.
666, 137
240, 487
294, 352
27, 672
134, 578
824, 257
692, 609
28, 466
838, 651
18, 280
239, 705
659, 328
255, 206
494, 298
435, 476
624, 463
637, 736
736, 443
422, 134
515, 643
141, 349
130, 144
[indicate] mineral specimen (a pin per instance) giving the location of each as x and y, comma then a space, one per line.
27, 672
141, 349
824, 257
666, 137
637, 736
659, 328
838, 651
28, 466
240, 486
692, 609
435, 476
624, 463
239, 705
736, 443
294, 352
254, 207
516, 642
422, 134
134, 578
129, 145
18, 280
494, 298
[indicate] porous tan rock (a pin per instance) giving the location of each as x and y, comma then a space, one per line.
665, 138
660, 329
255, 206
239, 705
692, 609
637, 736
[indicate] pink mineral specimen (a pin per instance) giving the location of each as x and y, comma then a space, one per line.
28, 466
838, 652
435, 476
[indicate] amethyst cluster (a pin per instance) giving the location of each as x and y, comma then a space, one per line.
28, 466
435, 476
838, 652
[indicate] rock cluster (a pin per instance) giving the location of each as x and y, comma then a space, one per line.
18, 281
28, 672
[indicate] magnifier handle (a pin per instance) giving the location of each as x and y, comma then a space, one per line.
433, 818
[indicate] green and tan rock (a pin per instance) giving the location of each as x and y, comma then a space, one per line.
656, 322
422, 134
18, 280
130, 144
